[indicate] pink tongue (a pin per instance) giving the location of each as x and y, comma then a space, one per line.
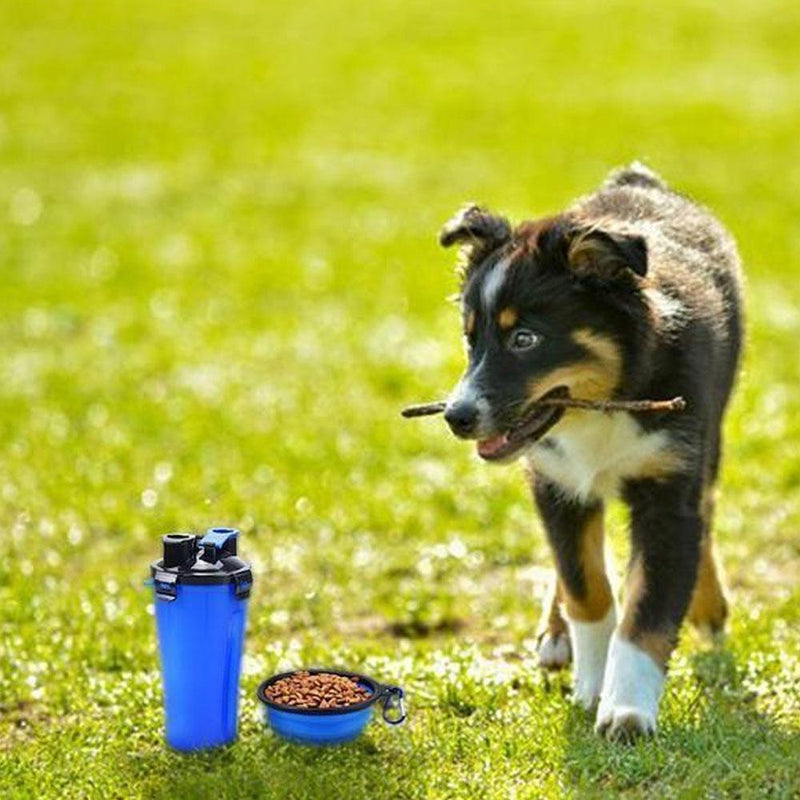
489, 446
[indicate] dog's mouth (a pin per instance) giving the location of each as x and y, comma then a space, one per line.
528, 430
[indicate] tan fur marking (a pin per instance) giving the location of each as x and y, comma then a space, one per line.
707, 499
634, 589
598, 599
594, 378
657, 644
708, 608
584, 380
585, 250
590, 253
603, 348
507, 318
552, 620
469, 323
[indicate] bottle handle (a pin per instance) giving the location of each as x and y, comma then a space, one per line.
218, 542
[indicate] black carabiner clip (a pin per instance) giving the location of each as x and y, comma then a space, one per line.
393, 702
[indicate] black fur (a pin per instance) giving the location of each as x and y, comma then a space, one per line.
564, 521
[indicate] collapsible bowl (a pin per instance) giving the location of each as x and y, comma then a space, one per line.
331, 725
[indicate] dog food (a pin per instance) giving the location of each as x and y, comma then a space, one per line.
318, 690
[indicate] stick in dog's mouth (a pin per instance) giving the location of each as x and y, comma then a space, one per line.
543, 414
655, 406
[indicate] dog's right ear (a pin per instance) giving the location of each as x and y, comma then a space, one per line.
477, 231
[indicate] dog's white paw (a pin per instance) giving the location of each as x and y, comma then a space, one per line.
624, 722
631, 691
590, 646
554, 650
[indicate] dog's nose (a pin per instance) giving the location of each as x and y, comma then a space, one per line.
462, 417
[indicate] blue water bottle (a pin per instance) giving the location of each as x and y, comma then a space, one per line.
201, 589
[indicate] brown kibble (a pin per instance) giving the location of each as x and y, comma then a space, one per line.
321, 690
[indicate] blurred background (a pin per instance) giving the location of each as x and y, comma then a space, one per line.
220, 283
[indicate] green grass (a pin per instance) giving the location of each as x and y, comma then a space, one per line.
220, 283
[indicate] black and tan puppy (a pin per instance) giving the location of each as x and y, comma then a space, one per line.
633, 292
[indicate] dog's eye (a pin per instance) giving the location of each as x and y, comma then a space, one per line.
522, 339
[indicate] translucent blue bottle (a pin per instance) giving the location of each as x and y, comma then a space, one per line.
201, 590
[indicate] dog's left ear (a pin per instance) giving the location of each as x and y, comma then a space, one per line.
606, 255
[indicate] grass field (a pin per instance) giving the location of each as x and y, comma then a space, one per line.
220, 282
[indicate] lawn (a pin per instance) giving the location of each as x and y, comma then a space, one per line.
220, 282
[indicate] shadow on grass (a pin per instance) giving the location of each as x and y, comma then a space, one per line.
713, 741
260, 765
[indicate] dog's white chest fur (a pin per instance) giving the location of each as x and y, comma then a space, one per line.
588, 454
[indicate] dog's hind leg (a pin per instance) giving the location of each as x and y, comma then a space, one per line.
708, 608
553, 646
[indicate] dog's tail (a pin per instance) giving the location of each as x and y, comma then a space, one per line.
635, 174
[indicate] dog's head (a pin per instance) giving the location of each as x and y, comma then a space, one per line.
547, 310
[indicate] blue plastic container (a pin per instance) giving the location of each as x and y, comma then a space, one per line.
321, 726
201, 590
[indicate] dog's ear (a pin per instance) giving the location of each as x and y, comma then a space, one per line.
477, 231
595, 253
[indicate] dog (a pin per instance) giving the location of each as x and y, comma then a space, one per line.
634, 292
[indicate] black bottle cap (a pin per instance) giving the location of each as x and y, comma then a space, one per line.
202, 560
179, 549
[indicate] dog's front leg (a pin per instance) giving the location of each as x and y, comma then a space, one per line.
666, 532
575, 532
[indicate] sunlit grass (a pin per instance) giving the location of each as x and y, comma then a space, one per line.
221, 283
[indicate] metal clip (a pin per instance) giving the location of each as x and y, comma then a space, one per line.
166, 584
394, 702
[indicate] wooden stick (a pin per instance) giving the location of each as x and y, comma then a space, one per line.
675, 404
424, 410
654, 406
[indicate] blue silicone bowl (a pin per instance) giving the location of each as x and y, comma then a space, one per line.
322, 726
